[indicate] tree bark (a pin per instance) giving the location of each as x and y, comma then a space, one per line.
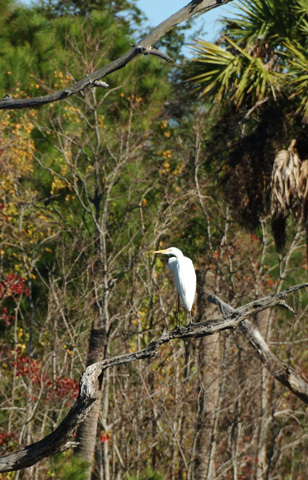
87, 431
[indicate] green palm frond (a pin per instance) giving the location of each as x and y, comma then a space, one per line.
218, 67
236, 75
303, 6
257, 82
299, 75
304, 27
264, 20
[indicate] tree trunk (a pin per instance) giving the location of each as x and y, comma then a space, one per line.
209, 367
261, 466
87, 432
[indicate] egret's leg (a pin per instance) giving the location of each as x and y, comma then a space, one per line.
188, 317
177, 313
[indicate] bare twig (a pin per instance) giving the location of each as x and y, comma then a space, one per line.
59, 439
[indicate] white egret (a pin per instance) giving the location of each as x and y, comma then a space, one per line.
184, 275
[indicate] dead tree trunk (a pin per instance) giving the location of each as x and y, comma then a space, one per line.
208, 366
86, 434
98, 342
261, 464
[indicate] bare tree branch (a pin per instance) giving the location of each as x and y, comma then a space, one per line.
59, 439
281, 371
144, 47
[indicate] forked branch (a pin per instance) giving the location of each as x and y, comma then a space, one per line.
59, 439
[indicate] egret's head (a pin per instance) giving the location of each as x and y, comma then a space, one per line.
171, 251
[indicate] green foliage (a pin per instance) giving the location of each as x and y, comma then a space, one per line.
148, 474
124, 10
265, 20
68, 466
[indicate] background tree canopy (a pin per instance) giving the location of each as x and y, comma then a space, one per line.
209, 156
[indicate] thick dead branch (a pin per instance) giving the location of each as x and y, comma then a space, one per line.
144, 47
59, 439
55, 442
281, 371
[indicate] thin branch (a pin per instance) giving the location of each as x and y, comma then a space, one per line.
59, 439
281, 371
144, 47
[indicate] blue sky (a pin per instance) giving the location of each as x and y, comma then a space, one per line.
159, 10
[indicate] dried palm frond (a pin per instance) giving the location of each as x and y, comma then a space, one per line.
280, 197
285, 180
303, 199
303, 191
284, 190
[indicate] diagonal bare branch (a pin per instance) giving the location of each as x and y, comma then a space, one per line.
144, 47
59, 439
278, 369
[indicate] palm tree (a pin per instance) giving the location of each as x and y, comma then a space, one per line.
259, 67
259, 52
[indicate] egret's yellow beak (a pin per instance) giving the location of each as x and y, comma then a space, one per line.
162, 251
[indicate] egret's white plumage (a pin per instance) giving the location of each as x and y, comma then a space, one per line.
184, 275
